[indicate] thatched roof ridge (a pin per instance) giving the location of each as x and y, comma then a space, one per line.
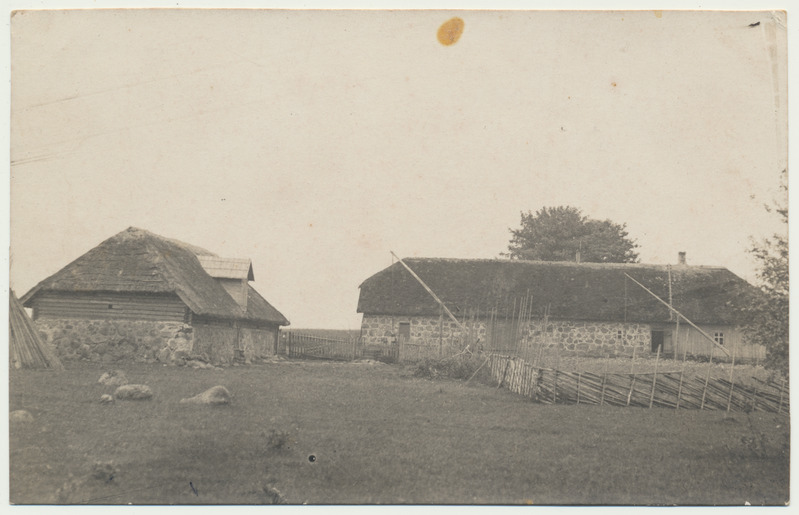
576, 291
138, 261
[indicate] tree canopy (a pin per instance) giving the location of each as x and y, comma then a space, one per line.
766, 316
559, 233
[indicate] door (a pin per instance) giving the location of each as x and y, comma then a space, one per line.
657, 341
404, 331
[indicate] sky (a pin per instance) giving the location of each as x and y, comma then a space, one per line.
316, 142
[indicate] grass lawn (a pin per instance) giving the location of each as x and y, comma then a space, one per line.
359, 433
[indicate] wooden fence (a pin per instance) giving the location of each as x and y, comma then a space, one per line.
653, 389
299, 345
306, 346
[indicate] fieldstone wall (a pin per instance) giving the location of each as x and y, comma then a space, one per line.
382, 329
109, 341
585, 338
257, 343
216, 343
592, 338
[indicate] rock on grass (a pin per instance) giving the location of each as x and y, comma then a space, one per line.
215, 396
133, 392
20, 415
114, 378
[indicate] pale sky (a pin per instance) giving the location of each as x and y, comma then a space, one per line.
314, 142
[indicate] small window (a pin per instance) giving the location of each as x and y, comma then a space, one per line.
619, 334
110, 306
718, 337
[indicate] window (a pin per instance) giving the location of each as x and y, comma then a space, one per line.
718, 337
619, 334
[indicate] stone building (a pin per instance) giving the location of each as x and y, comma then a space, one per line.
585, 308
140, 296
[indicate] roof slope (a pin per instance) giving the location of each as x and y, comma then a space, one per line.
138, 261
26, 349
227, 268
584, 291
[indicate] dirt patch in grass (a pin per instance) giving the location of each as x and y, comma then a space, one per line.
322, 433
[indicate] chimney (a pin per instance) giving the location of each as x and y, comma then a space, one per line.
577, 256
681, 258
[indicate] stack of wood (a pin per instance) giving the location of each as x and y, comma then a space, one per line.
26, 349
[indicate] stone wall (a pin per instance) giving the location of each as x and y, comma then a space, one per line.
215, 342
383, 329
585, 338
592, 338
257, 343
109, 341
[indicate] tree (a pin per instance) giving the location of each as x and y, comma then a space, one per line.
558, 233
766, 316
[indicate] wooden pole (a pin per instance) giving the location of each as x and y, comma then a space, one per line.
632, 386
732, 379
707, 378
702, 332
604, 381
679, 388
441, 332
555, 388
654, 377
431, 292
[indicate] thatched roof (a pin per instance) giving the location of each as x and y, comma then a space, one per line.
584, 291
26, 349
138, 261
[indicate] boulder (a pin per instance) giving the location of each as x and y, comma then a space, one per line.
216, 396
114, 378
164, 355
106, 399
20, 415
133, 392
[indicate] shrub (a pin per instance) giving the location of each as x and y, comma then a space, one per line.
461, 366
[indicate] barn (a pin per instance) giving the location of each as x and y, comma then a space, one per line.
142, 297
584, 308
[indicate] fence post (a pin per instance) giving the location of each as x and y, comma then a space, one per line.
555, 388
654, 377
732, 381
707, 378
604, 381
632, 386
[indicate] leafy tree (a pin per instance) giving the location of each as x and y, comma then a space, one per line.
558, 233
766, 316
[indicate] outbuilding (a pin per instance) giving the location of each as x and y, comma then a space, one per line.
140, 296
585, 308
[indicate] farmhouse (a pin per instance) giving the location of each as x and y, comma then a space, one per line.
587, 308
139, 296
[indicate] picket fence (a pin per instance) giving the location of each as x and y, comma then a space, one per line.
300, 345
653, 389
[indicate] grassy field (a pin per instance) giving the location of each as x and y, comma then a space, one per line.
329, 433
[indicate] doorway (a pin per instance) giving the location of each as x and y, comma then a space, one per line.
657, 341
